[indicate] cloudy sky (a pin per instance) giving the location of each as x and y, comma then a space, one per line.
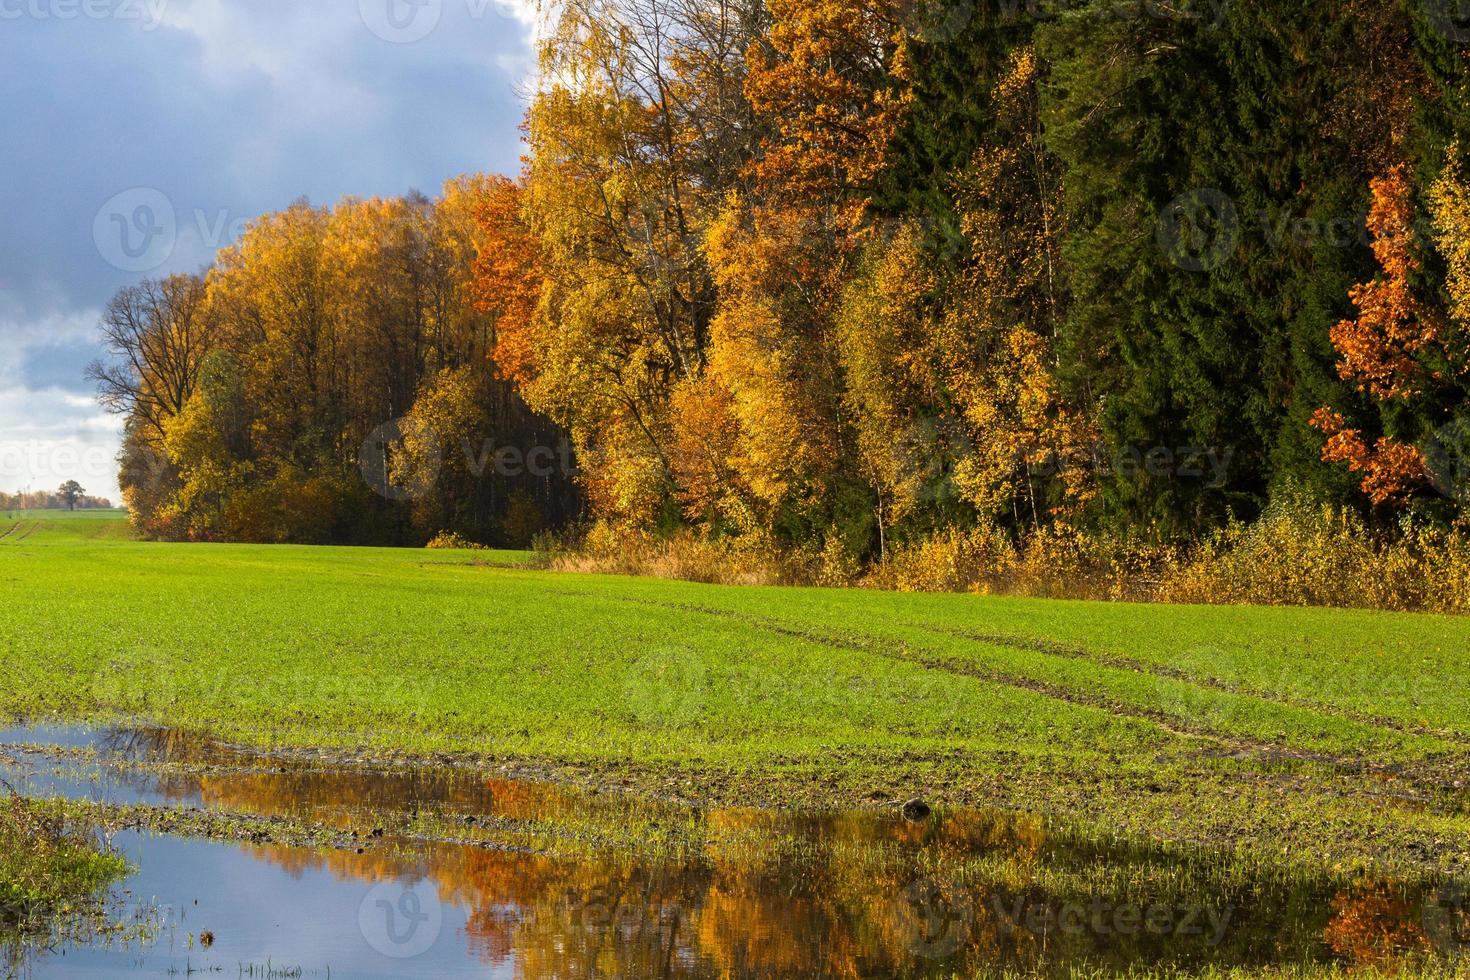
136, 136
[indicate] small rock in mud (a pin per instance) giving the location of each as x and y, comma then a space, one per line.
916, 810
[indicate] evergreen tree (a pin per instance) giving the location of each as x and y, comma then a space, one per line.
1215, 200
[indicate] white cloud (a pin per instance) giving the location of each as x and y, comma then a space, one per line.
228, 108
17, 335
305, 45
51, 435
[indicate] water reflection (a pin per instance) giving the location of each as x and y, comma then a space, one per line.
461, 875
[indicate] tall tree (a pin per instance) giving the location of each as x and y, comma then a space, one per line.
1406, 355
639, 129
332, 329
158, 334
1213, 188
71, 491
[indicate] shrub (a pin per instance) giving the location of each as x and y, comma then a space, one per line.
1300, 555
1297, 553
752, 558
452, 541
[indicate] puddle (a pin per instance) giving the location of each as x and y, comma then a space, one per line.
454, 874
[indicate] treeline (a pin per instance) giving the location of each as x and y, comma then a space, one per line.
868, 269
329, 379
51, 500
842, 274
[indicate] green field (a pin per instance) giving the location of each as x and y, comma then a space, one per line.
1317, 736
48, 858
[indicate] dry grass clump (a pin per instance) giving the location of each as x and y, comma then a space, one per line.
1296, 554
1054, 563
749, 559
452, 541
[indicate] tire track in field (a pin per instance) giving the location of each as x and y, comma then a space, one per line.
1183, 728
933, 661
1170, 724
11, 530
1164, 671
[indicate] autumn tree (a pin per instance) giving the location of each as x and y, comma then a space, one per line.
1215, 171
844, 273
888, 383
948, 344
823, 82
328, 326
208, 442
157, 335
1403, 352
508, 279
1032, 447
71, 491
638, 129
1378, 350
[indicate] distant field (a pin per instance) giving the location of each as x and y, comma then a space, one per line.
1320, 735
114, 514
58, 525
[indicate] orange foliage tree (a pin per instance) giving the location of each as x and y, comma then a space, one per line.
1404, 352
1377, 351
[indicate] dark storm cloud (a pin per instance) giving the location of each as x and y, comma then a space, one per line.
117, 115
